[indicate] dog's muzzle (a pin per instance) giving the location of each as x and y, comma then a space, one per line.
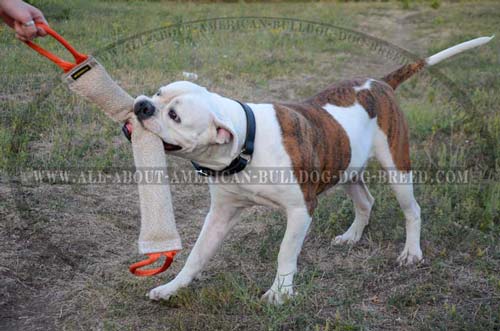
144, 109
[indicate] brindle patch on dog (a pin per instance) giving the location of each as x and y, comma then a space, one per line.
400, 75
378, 101
392, 122
341, 94
318, 147
368, 101
318, 144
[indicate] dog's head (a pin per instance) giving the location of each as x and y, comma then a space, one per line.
188, 119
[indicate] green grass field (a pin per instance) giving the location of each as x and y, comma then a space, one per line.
64, 249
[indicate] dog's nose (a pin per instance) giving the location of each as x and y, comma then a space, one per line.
144, 109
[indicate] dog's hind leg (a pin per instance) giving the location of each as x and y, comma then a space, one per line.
220, 219
400, 178
298, 221
363, 202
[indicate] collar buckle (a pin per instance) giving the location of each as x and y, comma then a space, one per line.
245, 156
202, 172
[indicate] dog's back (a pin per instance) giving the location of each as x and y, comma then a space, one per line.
334, 131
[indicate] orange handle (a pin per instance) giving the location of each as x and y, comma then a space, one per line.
152, 258
64, 65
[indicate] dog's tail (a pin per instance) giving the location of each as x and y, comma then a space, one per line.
395, 78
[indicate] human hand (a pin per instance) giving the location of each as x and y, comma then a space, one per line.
22, 18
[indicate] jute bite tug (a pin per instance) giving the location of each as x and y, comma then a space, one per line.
86, 77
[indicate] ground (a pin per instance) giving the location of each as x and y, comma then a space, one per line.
65, 249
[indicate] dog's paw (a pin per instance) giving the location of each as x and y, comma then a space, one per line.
163, 292
410, 256
275, 297
350, 237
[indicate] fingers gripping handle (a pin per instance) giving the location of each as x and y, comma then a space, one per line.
64, 65
153, 257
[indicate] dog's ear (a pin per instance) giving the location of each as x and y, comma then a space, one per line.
223, 136
224, 133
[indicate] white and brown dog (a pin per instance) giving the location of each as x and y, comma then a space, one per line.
335, 132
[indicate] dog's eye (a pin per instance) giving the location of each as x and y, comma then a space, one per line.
173, 115
158, 93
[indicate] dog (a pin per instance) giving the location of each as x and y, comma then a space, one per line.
335, 132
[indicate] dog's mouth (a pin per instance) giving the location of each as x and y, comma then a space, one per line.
171, 147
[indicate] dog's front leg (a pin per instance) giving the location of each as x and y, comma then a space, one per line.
298, 221
218, 222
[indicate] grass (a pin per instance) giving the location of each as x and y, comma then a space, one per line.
65, 248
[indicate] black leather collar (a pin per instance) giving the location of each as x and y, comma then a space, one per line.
245, 156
